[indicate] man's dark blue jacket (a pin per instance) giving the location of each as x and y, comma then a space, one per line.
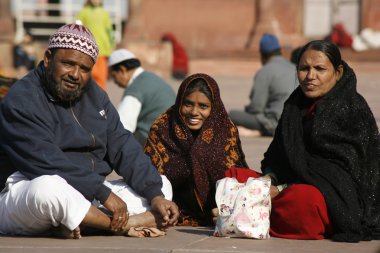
82, 142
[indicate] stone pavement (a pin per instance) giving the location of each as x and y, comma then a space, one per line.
235, 79
180, 239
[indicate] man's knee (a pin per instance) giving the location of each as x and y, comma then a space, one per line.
46, 189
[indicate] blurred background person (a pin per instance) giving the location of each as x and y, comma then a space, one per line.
145, 97
340, 36
273, 84
180, 63
98, 20
24, 54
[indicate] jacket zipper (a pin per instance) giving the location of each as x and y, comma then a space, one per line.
91, 134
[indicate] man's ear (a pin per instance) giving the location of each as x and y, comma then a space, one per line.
47, 57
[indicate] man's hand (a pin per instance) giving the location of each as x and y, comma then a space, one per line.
119, 211
167, 209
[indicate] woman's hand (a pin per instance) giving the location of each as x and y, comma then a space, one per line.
273, 191
119, 211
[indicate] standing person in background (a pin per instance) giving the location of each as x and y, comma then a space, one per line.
97, 19
146, 95
273, 84
193, 144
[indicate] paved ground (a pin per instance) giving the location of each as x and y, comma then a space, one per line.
180, 239
234, 78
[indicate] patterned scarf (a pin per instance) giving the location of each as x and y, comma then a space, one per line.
204, 158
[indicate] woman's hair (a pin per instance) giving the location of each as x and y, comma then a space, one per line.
295, 55
329, 49
199, 84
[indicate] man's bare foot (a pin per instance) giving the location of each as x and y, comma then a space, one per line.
63, 232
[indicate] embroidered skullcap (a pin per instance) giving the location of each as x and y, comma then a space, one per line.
269, 43
75, 36
120, 55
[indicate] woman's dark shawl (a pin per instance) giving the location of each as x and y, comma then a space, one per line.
341, 158
179, 155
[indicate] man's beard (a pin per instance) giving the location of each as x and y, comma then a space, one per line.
56, 90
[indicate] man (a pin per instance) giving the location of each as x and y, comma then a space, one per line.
60, 137
146, 95
273, 84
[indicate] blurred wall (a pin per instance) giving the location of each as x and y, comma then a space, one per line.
207, 27
231, 27
370, 14
6, 38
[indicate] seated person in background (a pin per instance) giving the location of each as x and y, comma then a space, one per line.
340, 36
193, 144
274, 82
60, 137
145, 97
180, 64
24, 54
324, 158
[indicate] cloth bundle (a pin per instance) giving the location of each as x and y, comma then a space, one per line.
243, 208
144, 232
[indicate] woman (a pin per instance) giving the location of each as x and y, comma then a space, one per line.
324, 157
193, 143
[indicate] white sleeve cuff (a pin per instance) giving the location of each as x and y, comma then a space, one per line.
129, 110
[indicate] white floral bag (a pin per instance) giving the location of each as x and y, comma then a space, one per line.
243, 208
